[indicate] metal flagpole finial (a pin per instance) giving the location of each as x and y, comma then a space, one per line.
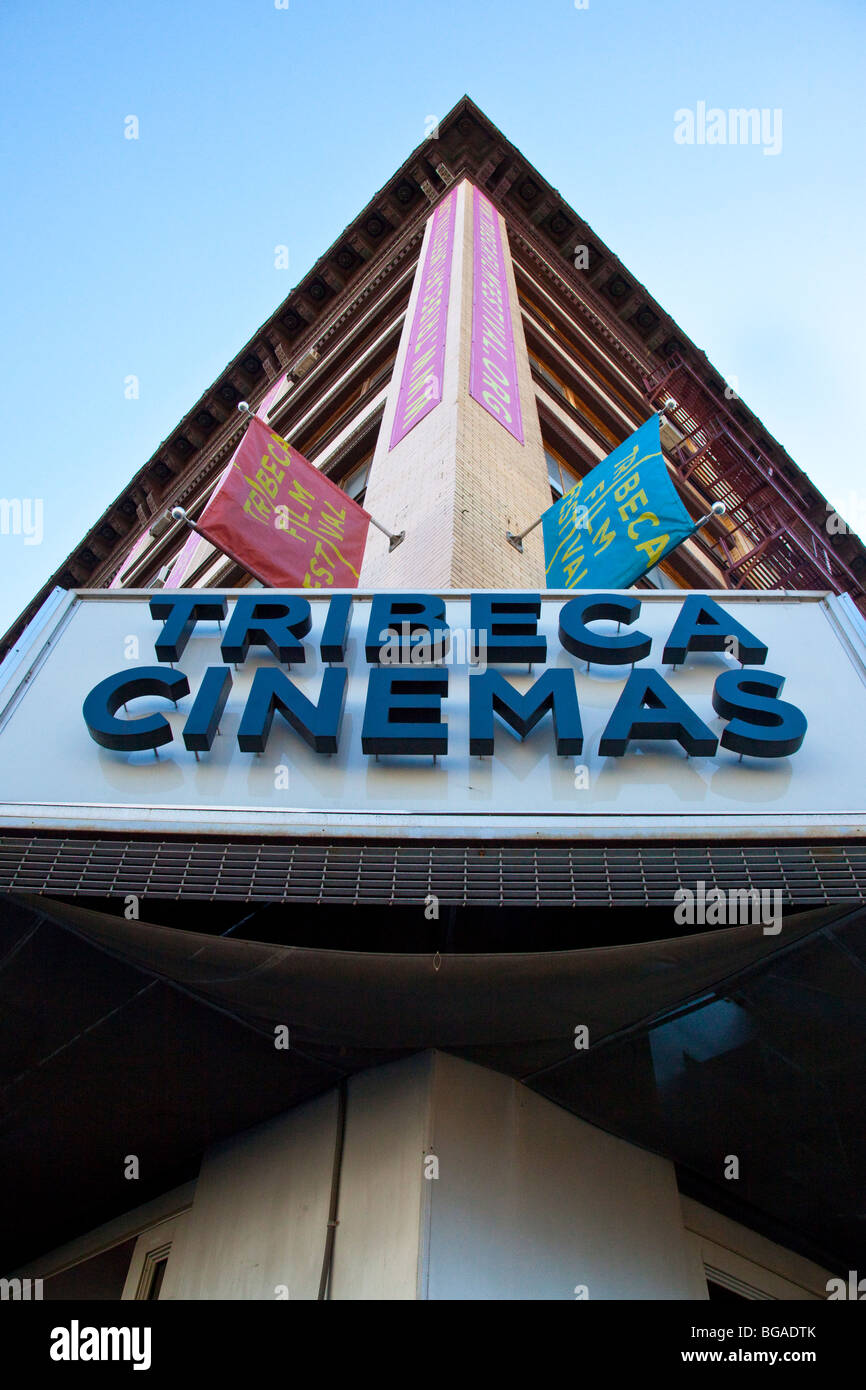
178, 514
244, 406
717, 509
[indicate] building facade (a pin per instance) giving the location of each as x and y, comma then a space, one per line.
401, 996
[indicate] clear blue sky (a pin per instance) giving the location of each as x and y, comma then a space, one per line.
262, 126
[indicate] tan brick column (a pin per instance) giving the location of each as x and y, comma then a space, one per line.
458, 481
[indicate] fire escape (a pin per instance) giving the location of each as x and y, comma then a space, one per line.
769, 540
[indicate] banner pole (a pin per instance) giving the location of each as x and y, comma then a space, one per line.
393, 539
517, 541
180, 515
717, 509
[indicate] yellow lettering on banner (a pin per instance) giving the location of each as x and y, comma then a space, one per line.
253, 508
496, 372
568, 515
499, 391
321, 570
599, 506
574, 540
334, 523
257, 489
420, 402
496, 407
418, 367
569, 570
654, 549
300, 493
280, 445
604, 536
625, 464
269, 464
644, 516
268, 485
321, 540
628, 486
424, 398
327, 577
637, 499
576, 548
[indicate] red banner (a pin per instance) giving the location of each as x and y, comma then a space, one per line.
276, 513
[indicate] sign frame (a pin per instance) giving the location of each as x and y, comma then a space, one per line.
22, 667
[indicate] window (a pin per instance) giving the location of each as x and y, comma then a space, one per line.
149, 1265
657, 578
594, 368
739, 1264
355, 482
576, 399
562, 478
152, 1274
723, 1293
548, 377
344, 405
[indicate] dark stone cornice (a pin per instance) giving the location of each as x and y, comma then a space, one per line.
584, 301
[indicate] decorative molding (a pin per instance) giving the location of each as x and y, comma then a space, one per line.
616, 339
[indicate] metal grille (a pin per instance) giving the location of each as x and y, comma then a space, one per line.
460, 874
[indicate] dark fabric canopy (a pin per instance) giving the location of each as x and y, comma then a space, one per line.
520, 1006
133, 1037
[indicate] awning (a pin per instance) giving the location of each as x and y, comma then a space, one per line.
161, 1040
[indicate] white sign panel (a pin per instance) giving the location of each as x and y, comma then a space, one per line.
53, 774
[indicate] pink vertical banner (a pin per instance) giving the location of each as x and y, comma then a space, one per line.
129, 559
424, 364
183, 563
278, 389
493, 361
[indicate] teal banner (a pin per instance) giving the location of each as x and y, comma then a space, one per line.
619, 520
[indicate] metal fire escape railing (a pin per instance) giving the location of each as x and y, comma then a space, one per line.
770, 541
